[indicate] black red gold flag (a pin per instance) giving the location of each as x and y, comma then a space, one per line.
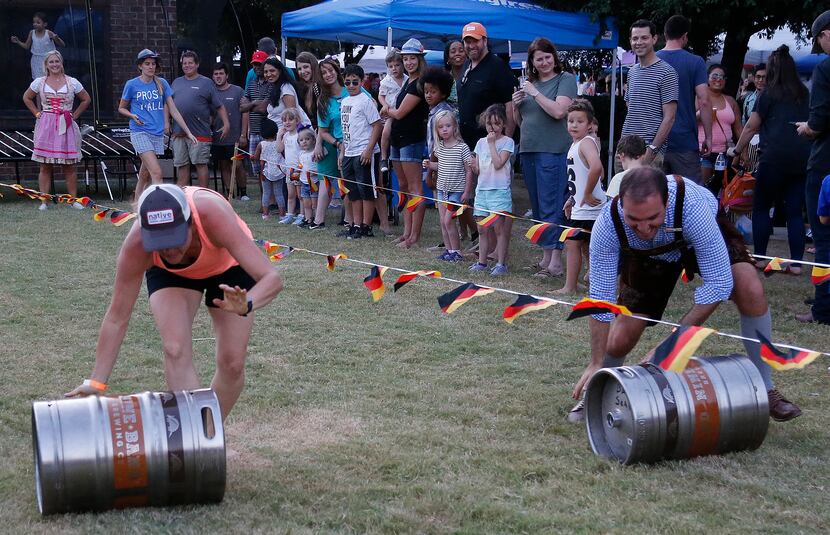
674, 352
523, 305
793, 359
588, 306
450, 301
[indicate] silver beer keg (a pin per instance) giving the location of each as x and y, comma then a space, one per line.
645, 414
148, 449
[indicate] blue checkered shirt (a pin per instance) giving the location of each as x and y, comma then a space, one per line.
700, 229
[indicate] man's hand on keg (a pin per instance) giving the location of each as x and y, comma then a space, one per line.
87, 388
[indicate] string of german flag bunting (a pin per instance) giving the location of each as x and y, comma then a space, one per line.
672, 354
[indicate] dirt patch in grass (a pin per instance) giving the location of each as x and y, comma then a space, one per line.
289, 431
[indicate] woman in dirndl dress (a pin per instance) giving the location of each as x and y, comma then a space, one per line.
57, 138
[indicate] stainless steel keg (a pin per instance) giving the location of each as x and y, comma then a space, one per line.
645, 414
148, 449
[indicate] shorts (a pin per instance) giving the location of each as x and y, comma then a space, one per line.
306, 193
451, 196
493, 200
408, 153
646, 284
221, 152
685, 164
359, 178
584, 224
253, 141
146, 142
186, 152
158, 279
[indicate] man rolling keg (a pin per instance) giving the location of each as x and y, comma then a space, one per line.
187, 243
657, 227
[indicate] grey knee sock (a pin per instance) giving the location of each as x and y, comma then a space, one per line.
612, 362
750, 326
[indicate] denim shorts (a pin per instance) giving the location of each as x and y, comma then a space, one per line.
408, 153
306, 193
451, 196
146, 142
493, 200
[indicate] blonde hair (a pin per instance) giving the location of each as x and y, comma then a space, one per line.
440, 115
306, 132
290, 113
46, 61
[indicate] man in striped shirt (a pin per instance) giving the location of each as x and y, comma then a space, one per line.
652, 93
657, 227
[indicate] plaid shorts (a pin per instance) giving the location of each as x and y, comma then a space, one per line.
253, 141
146, 142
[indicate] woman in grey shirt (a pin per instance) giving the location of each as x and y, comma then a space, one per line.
541, 110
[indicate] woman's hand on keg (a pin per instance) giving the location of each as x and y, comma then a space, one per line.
83, 391
236, 300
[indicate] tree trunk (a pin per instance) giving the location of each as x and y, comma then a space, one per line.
734, 50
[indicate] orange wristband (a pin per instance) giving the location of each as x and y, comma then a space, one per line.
102, 387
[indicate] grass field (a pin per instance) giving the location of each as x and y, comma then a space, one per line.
392, 417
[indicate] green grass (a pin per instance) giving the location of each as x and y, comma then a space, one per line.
391, 417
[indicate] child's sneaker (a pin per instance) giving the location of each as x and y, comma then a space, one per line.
299, 220
315, 226
454, 256
245, 198
304, 224
354, 233
384, 166
287, 218
499, 270
445, 256
478, 266
345, 233
267, 216
366, 231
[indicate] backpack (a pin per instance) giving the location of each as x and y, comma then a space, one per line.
736, 195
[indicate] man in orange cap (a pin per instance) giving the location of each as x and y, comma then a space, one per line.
485, 80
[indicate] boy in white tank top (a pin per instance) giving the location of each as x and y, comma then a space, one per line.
586, 195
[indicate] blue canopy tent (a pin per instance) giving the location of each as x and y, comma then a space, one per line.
434, 22
806, 64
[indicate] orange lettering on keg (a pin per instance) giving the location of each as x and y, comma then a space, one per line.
707, 413
129, 455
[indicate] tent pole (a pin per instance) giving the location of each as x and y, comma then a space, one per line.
510, 49
610, 169
389, 37
283, 49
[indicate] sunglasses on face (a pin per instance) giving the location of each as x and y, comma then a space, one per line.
717, 77
351, 82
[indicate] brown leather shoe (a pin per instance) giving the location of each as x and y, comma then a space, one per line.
805, 318
780, 408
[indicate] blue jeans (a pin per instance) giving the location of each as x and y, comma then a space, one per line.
546, 178
821, 241
771, 184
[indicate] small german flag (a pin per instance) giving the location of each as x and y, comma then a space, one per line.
281, 253
85, 201
238, 157
794, 359
331, 259
534, 234
489, 220
413, 203
674, 352
569, 234
119, 217
407, 277
820, 275
458, 210
100, 216
312, 181
776, 264
327, 182
65, 198
342, 187
401, 200
450, 301
523, 305
374, 282
588, 306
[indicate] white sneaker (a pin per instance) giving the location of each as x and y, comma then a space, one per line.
244, 198
77, 206
42, 207
299, 220
286, 219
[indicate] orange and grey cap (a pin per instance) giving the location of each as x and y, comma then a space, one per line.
476, 30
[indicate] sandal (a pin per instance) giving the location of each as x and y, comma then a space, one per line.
543, 273
792, 270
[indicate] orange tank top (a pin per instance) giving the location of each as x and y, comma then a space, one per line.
212, 260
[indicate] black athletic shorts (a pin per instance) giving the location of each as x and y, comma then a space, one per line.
364, 175
158, 278
221, 152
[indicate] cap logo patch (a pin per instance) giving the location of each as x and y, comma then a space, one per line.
160, 217
470, 29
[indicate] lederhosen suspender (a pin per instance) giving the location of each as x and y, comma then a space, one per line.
678, 243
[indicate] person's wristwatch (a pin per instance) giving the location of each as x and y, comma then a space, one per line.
653, 148
250, 308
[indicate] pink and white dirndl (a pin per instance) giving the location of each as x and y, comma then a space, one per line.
57, 137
